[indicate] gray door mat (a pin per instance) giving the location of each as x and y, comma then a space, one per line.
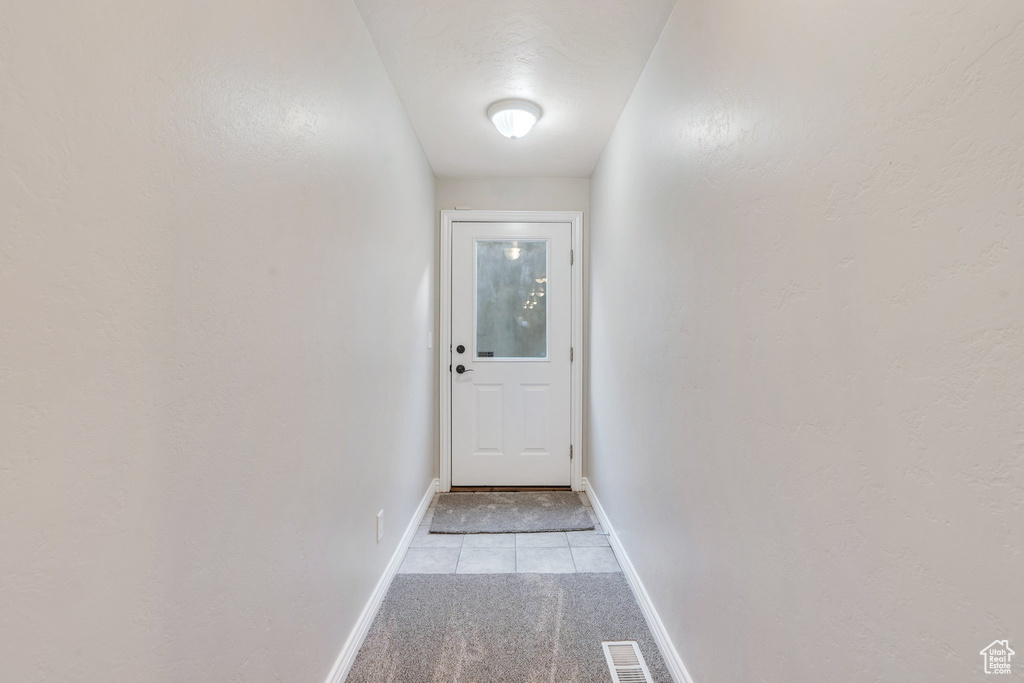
504, 513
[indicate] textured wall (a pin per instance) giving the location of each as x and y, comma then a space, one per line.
515, 194
216, 278
807, 393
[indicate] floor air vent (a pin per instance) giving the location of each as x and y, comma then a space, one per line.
626, 662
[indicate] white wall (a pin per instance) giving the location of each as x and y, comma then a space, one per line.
526, 194
514, 194
807, 396
216, 278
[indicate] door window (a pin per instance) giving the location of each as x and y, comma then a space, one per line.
511, 298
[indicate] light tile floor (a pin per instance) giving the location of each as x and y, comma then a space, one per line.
554, 553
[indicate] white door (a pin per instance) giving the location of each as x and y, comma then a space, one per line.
511, 337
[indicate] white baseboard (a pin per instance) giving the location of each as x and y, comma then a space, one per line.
668, 651
355, 639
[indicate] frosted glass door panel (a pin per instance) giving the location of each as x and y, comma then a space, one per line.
511, 299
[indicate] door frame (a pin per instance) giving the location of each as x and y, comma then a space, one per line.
448, 219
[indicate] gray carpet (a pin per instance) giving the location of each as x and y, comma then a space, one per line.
502, 627
504, 513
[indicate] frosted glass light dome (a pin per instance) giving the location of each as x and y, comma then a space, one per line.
514, 118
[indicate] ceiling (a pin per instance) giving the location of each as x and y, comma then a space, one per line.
577, 59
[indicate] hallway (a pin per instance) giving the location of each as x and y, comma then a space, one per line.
744, 276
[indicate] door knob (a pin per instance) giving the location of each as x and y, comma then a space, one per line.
460, 348
461, 369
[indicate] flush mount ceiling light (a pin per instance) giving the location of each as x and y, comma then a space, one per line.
513, 118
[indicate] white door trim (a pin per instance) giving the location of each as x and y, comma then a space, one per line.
448, 217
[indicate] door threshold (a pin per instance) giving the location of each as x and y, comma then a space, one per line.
507, 489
